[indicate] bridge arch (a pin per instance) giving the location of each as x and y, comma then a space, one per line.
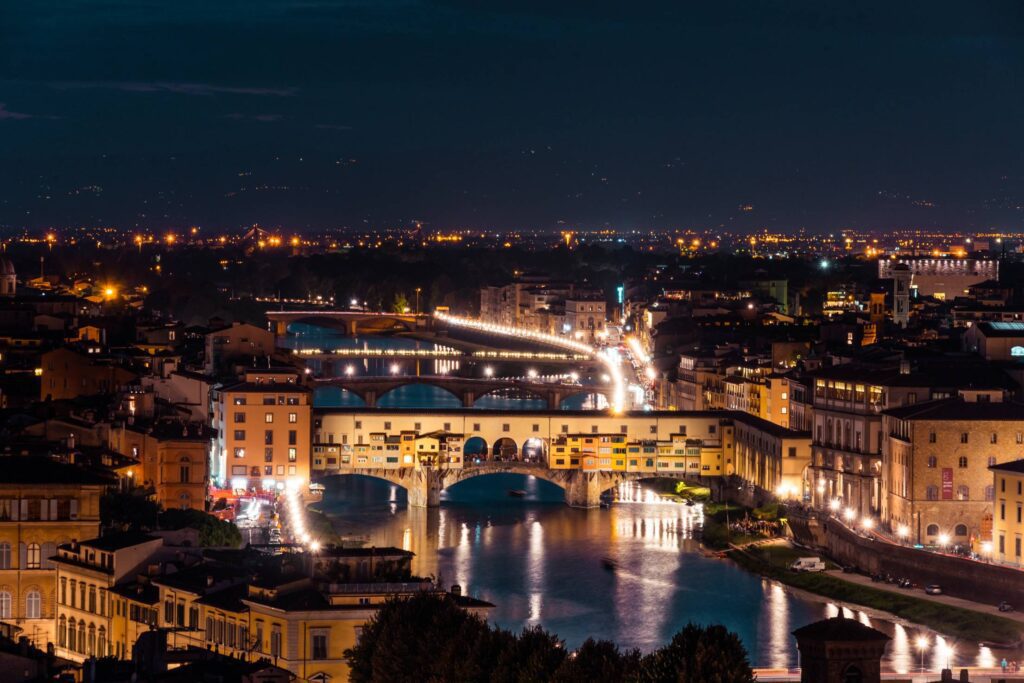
333, 396
579, 395
535, 449
475, 447
441, 397
512, 392
505, 448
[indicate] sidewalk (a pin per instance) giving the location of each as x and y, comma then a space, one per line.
919, 593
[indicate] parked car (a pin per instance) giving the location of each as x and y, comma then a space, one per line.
1005, 607
933, 589
808, 564
849, 569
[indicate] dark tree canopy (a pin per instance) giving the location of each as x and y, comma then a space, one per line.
430, 638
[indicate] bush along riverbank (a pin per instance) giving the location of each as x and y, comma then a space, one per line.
773, 562
727, 524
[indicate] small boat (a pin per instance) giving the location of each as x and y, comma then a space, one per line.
517, 493
609, 564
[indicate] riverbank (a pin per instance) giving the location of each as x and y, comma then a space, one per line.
772, 561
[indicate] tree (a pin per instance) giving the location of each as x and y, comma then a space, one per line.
401, 304
430, 638
128, 511
213, 532
699, 654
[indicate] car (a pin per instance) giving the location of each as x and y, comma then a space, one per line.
933, 589
849, 569
1005, 607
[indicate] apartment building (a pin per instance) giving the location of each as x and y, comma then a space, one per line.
43, 503
1007, 513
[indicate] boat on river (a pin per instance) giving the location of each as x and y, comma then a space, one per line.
517, 493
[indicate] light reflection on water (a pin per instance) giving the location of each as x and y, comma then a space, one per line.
539, 562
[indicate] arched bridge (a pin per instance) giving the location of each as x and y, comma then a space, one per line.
352, 322
466, 389
424, 485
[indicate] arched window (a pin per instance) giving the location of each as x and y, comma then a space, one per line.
932, 530
932, 462
33, 556
81, 637
960, 530
5, 605
5, 555
33, 605
71, 635
963, 492
853, 674
62, 632
101, 642
962, 462
91, 650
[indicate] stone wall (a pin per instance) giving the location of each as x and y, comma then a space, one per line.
978, 581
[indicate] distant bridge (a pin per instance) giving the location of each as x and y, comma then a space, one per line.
352, 322
467, 390
424, 484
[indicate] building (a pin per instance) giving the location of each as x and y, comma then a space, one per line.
87, 574
70, 373
849, 437
942, 278
585, 318
43, 503
1008, 512
263, 434
239, 342
996, 341
8, 278
936, 466
173, 459
840, 650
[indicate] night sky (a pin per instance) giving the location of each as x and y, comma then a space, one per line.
477, 113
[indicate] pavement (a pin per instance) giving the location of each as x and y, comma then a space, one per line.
919, 593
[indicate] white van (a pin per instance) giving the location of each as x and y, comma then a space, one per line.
808, 564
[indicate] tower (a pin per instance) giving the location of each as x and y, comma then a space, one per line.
8, 278
901, 294
837, 650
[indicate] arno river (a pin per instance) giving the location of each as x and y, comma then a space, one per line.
539, 561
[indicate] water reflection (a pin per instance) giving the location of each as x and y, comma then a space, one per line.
539, 562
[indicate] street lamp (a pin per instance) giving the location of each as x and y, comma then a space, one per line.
868, 523
922, 645
394, 368
903, 531
834, 505
849, 514
943, 540
488, 371
349, 370
418, 290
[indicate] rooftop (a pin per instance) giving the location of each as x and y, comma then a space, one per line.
119, 541
16, 469
1012, 467
839, 629
959, 409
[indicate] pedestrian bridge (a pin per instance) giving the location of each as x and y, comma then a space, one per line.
424, 484
351, 323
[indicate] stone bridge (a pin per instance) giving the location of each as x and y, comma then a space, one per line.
352, 323
424, 485
466, 389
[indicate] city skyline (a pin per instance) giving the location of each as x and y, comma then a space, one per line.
352, 114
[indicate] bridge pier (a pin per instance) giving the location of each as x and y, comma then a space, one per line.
424, 489
584, 489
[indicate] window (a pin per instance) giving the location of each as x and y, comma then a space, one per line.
932, 461
932, 530
71, 635
62, 632
293, 454
101, 641
1020, 437
5, 555
506, 427
963, 437
963, 492
991, 460
239, 452
33, 557
932, 492
5, 605
185, 471
293, 417
239, 435
931, 437
995, 438
268, 418
319, 646
293, 437
209, 629
92, 599
275, 641
33, 605
239, 418
962, 462
990, 493
268, 437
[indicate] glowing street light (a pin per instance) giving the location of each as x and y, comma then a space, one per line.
922, 646
531, 373
395, 368
903, 531
849, 514
834, 505
315, 546
867, 523
488, 371
349, 370
943, 540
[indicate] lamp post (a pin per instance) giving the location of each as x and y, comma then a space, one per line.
922, 645
418, 290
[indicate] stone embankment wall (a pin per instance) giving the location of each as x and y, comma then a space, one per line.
978, 581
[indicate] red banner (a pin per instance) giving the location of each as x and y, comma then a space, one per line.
947, 483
